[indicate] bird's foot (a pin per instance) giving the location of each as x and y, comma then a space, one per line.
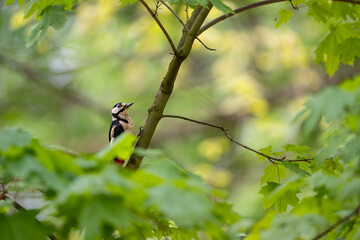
141, 130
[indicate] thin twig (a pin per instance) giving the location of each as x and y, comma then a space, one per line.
332, 227
293, 6
348, 1
157, 6
161, 27
225, 131
251, 6
172, 11
184, 25
208, 48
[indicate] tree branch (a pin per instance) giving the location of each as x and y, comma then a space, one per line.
254, 5
225, 131
155, 112
182, 23
332, 227
161, 27
238, 10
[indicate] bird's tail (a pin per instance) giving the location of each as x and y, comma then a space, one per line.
119, 161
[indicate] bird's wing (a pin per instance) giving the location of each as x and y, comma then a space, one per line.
115, 130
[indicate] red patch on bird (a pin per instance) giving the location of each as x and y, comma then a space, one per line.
119, 161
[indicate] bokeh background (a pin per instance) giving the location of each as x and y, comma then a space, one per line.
258, 79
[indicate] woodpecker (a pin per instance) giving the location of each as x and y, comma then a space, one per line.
121, 122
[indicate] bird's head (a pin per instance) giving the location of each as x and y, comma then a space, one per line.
121, 109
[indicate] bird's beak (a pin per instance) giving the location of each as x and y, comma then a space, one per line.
128, 105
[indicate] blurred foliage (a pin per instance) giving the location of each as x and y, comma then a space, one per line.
100, 200
63, 65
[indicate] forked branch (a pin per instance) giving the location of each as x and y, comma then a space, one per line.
155, 112
183, 24
225, 131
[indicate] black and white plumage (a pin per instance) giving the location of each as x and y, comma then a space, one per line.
121, 121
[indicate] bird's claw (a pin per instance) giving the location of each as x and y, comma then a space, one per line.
141, 130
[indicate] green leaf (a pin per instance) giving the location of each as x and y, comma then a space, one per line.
55, 160
54, 16
326, 184
326, 104
327, 51
100, 210
29, 169
284, 16
324, 154
344, 11
320, 10
351, 191
280, 195
267, 151
294, 167
198, 207
31, 8
166, 169
300, 150
352, 148
21, 2
224, 210
268, 188
221, 6
9, 2
180, 234
68, 4
348, 50
316, 205
12, 137
22, 225
194, 3
288, 226
122, 148
107, 182
351, 85
273, 173
297, 2
44, 4
125, 2
190, 3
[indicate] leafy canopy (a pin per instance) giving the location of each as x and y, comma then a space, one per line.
340, 45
